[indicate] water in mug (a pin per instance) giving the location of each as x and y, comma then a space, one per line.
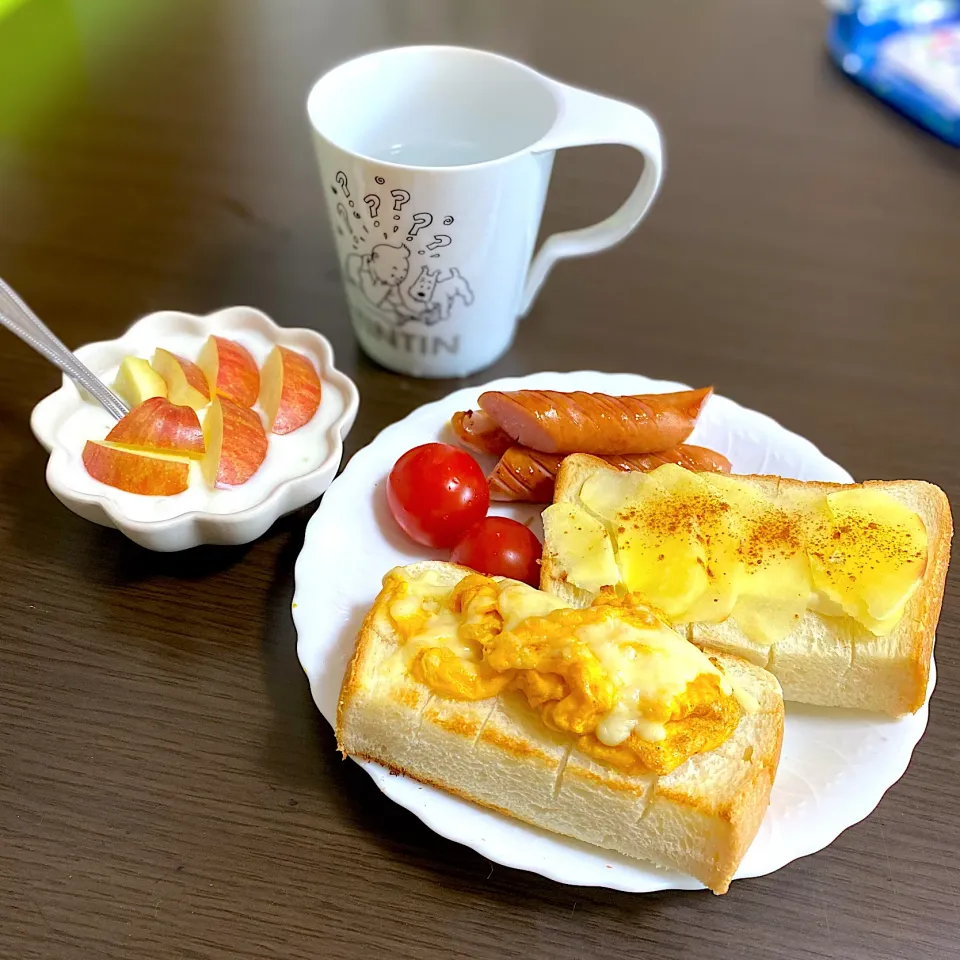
431, 152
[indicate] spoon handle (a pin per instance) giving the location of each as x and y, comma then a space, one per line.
19, 319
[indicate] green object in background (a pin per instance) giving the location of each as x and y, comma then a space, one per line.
6, 6
40, 60
45, 46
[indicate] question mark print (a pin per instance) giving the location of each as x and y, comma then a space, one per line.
400, 197
341, 178
342, 212
379, 179
447, 221
420, 220
439, 240
373, 203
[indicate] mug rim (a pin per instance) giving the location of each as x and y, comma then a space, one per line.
315, 89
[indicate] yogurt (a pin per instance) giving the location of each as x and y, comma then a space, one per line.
288, 456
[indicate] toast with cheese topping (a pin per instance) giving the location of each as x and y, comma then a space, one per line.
826, 658
497, 752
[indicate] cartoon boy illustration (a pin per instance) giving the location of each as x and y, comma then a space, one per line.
380, 276
380, 272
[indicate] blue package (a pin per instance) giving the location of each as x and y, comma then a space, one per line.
907, 52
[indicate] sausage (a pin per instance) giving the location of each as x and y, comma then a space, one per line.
527, 475
686, 455
477, 430
524, 474
555, 422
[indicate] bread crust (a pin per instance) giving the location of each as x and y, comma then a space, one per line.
897, 686
700, 818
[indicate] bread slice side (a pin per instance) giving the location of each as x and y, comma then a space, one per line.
829, 661
699, 819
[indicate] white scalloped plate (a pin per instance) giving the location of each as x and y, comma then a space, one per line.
298, 467
835, 766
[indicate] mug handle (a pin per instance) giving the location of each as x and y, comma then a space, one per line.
588, 118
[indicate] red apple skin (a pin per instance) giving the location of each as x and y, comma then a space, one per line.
159, 426
299, 393
236, 443
148, 476
231, 370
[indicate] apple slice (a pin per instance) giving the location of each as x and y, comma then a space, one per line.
159, 426
138, 381
135, 473
186, 384
236, 443
230, 370
289, 390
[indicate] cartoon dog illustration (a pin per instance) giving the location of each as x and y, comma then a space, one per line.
422, 288
447, 290
380, 276
421, 292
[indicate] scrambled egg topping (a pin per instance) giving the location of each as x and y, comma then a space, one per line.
704, 547
631, 692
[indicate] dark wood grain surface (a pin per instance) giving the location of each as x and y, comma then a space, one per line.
167, 788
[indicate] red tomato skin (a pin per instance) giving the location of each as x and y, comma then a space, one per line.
500, 547
436, 492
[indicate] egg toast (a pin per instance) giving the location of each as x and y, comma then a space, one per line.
861, 630
497, 751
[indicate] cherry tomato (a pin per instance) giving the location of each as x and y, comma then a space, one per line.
500, 547
436, 492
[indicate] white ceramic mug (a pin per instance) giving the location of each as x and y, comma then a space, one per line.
435, 163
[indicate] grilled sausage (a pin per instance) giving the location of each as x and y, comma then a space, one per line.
476, 430
527, 475
554, 422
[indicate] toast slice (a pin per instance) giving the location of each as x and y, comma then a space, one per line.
829, 661
699, 819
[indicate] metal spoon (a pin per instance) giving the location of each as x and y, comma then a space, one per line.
18, 318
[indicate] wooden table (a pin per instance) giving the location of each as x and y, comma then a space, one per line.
167, 788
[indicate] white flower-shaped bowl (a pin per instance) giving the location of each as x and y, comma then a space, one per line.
298, 468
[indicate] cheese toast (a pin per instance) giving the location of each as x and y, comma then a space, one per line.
825, 659
700, 818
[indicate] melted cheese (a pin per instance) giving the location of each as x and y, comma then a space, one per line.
518, 601
869, 558
596, 563
613, 676
702, 547
651, 667
419, 615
